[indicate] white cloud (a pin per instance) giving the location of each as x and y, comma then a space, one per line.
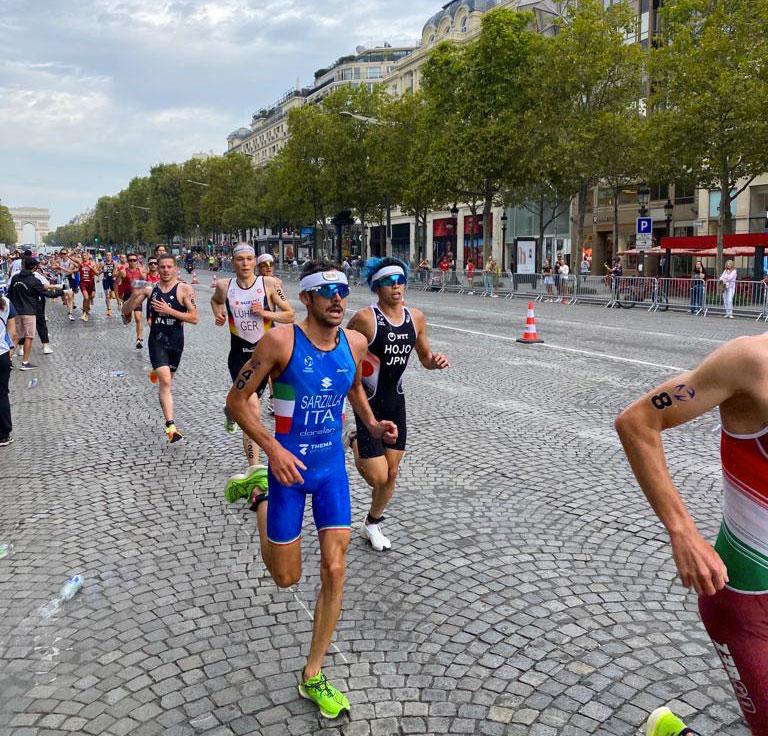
95, 92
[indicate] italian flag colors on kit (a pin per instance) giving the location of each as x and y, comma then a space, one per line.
285, 401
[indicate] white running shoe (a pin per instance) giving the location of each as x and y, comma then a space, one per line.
348, 435
20, 350
47, 350
373, 533
71, 317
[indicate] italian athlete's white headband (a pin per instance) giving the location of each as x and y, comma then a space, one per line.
387, 271
243, 248
321, 278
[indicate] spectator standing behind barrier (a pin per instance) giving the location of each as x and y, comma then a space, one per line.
549, 279
584, 268
445, 266
728, 279
471, 276
489, 273
698, 277
423, 269
7, 341
565, 273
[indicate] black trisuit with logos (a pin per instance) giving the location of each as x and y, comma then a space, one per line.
383, 369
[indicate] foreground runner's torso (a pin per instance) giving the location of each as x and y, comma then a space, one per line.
388, 354
309, 399
743, 540
165, 324
246, 328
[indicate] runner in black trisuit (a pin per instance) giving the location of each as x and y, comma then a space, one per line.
392, 331
172, 303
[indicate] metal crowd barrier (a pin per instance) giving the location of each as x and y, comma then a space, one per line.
627, 292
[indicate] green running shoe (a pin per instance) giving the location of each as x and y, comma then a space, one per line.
663, 722
242, 484
330, 701
229, 425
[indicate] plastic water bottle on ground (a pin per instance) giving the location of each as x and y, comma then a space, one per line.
117, 374
71, 587
5, 550
32, 383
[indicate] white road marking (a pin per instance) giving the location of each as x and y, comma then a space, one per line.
589, 353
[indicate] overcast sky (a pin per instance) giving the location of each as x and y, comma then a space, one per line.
93, 92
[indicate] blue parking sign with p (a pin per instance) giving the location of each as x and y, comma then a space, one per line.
644, 225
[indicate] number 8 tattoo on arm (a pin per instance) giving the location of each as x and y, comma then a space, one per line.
661, 401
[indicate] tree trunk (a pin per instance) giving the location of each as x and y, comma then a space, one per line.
540, 248
580, 217
487, 207
615, 231
725, 207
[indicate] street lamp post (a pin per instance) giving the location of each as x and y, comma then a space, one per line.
503, 241
643, 199
669, 208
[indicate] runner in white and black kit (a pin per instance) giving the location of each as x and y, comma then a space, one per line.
393, 331
250, 304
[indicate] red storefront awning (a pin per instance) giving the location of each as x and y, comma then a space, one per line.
706, 242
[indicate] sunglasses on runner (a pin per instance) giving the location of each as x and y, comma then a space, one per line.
132, 260
328, 291
391, 280
153, 263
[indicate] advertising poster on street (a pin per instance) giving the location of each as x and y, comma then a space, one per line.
526, 256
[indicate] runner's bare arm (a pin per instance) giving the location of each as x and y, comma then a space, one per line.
271, 355
134, 301
640, 425
431, 361
362, 322
385, 430
219, 302
282, 309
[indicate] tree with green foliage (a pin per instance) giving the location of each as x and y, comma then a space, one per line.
478, 94
590, 79
7, 228
165, 201
709, 79
302, 168
194, 178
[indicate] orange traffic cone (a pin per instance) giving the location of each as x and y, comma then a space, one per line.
194, 277
213, 282
530, 335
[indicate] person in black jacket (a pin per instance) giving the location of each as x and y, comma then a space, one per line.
24, 291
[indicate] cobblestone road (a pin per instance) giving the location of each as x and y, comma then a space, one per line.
530, 590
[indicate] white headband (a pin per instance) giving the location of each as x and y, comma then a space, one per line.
387, 271
243, 248
265, 258
320, 278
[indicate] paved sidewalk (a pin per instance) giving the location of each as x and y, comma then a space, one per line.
530, 590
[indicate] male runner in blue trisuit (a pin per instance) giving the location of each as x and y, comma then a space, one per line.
314, 366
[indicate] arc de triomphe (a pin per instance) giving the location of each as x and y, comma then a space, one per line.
39, 217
